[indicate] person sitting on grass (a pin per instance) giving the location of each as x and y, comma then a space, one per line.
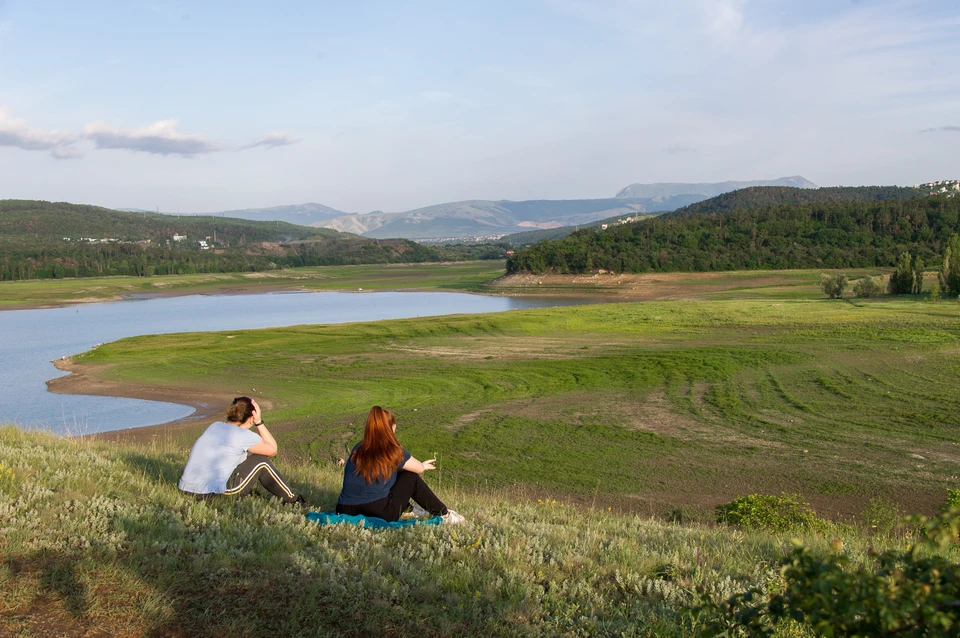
380, 477
230, 459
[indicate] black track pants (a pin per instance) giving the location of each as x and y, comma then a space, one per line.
408, 486
258, 469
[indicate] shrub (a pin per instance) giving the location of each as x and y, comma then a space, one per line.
912, 593
868, 287
881, 517
935, 291
953, 500
783, 513
833, 286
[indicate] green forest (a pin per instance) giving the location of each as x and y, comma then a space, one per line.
44, 240
764, 196
842, 234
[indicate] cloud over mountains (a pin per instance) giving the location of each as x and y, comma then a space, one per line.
158, 138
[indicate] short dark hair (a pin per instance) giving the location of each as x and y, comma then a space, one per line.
240, 410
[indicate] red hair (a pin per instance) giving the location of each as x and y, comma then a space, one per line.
379, 454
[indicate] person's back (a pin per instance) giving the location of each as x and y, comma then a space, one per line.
214, 456
230, 459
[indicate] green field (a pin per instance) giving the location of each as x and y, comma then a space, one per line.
52, 292
587, 446
649, 407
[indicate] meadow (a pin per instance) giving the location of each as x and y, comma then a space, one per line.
588, 447
648, 407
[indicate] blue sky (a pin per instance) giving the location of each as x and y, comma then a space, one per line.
203, 106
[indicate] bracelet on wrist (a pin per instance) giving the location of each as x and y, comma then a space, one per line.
256, 425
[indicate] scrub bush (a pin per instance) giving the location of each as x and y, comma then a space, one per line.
783, 513
915, 592
833, 286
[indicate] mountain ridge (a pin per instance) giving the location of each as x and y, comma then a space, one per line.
708, 189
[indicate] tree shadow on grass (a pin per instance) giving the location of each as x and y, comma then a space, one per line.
57, 578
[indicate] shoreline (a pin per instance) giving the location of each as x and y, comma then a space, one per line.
85, 380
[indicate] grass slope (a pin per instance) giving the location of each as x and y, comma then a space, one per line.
96, 540
655, 406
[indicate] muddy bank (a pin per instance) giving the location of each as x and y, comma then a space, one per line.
90, 379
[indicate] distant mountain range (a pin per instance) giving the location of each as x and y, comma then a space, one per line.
708, 190
487, 219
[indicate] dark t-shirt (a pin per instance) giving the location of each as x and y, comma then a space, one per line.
356, 490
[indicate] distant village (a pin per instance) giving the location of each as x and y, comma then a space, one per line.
202, 244
948, 187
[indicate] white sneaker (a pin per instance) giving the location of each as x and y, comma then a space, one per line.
452, 518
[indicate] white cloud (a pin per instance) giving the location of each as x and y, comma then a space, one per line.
159, 138
942, 129
15, 131
274, 139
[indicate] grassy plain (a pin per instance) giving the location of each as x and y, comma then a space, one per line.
53, 292
648, 407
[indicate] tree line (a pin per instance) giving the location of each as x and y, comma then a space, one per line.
97, 260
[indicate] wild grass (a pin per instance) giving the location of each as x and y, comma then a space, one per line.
96, 540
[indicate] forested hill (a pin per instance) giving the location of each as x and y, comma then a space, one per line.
762, 196
26, 220
43, 240
842, 234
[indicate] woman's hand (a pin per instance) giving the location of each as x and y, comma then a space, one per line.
257, 415
415, 466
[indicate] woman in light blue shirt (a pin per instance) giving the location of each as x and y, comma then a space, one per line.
229, 458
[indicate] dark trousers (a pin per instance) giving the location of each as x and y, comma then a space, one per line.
408, 486
258, 469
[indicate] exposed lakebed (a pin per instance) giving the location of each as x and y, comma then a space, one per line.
31, 339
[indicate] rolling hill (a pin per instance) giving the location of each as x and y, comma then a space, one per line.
42, 240
761, 196
298, 214
844, 233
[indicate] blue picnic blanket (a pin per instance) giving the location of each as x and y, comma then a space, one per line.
369, 522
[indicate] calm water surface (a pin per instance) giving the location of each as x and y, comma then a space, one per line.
31, 339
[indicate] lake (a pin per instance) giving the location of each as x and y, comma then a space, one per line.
31, 339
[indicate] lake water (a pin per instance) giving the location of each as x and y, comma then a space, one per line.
31, 339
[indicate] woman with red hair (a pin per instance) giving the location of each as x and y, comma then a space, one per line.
380, 477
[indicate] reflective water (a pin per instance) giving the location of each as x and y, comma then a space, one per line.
31, 339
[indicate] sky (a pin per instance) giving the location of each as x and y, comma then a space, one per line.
393, 105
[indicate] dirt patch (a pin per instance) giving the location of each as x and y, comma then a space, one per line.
644, 287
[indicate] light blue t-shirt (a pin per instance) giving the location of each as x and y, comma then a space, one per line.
214, 457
